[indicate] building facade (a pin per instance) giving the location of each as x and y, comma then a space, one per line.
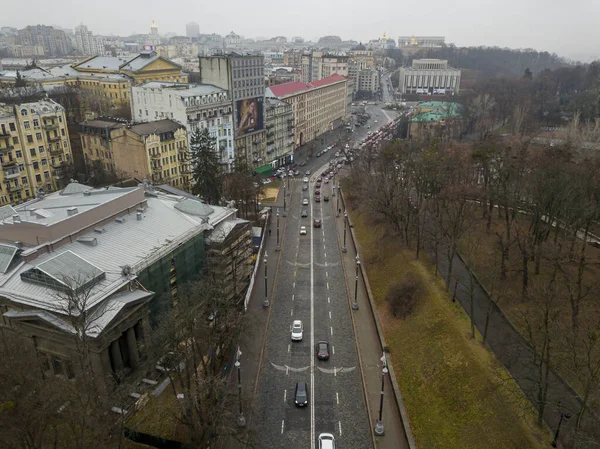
243, 77
429, 76
87, 43
55, 42
366, 81
195, 106
192, 30
361, 57
318, 107
157, 150
279, 120
317, 65
153, 37
35, 150
416, 42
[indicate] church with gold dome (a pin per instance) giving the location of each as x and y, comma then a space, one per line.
382, 43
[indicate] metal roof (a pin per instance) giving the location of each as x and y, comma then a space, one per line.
7, 253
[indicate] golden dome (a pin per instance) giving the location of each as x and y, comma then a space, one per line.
153, 25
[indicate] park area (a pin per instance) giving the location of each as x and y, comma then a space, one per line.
455, 391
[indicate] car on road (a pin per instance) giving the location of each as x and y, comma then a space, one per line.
297, 330
323, 350
326, 441
317, 192
317, 223
305, 179
317, 199
305, 202
318, 185
318, 154
302, 164
326, 198
296, 172
326, 180
319, 179
307, 173
302, 230
301, 394
304, 187
375, 121
304, 213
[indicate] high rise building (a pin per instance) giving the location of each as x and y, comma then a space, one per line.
87, 43
192, 30
429, 76
243, 77
34, 149
54, 42
317, 65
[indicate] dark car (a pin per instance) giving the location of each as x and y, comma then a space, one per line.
318, 185
317, 199
323, 350
301, 394
317, 223
304, 213
319, 179
326, 198
317, 192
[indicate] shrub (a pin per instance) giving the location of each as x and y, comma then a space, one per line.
404, 295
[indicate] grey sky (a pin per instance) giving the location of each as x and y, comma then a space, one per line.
571, 29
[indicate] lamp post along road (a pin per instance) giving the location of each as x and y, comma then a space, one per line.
266, 301
379, 429
277, 247
241, 421
564, 416
355, 303
284, 199
337, 209
344, 249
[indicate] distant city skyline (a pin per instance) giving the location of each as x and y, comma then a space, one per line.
513, 23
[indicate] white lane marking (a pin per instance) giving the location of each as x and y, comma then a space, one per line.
334, 371
285, 395
328, 286
337, 398
340, 423
328, 300
294, 285
312, 333
333, 350
331, 330
330, 314
325, 254
293, 297
282, 425
326, 274
292, 312
289, 347
287, 370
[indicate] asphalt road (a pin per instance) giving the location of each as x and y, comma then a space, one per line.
310, 287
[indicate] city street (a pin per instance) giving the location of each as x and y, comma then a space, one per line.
310, 287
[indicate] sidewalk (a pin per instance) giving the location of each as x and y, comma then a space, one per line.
370, 351
252, 340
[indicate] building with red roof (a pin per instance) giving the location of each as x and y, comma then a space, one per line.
318, 106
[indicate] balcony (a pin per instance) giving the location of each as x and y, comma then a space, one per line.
270, 142
270, 125
155, 156
7, 148
50, 126
8, 163
11, 174
16, 188
4, 134
54, 150
157, 167
270, 134
53, 138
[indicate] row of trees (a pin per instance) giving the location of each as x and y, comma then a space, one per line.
521, 214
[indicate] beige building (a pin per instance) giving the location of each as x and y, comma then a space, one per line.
318, 107
362, 57
156, 151
429, 76
35, 151
318, 65
26, 51
280, 132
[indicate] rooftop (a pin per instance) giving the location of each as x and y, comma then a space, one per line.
294, 87
185, 90
156, 127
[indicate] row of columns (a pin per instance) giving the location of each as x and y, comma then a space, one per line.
130, 355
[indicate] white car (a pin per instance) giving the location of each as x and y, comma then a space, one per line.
297, 330
305, 179
326, 441
303, 229
305, 202
375, 121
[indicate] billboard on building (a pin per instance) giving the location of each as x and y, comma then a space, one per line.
248, 116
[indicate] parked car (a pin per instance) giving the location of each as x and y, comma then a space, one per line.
323, 350
297, 330
302, 230
305, 202
326, 180
304, 213
307, 173
317, 192
305, 179
326, 198
326, 441
304, 187
317, 199
317, 223
301, 394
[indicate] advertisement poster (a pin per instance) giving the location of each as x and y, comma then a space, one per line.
249, 116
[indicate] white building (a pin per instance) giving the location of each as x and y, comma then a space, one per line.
87, 43
429, 76
233, 40
196, 106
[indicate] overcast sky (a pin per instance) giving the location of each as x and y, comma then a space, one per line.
569, 28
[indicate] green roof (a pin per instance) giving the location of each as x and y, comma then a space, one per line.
438, 111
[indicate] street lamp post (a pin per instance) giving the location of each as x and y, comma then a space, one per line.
379, 429
344, 249
266, 301
355, 303
337, 209
284, 199
241, 421
563, 415
277, 247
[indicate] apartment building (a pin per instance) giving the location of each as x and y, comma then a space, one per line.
243, 78
318, 107
362, 57
366, 80
88, 44
156, 150
55, 42
35, 151
293, 58
195, 106
279, 120
317, 65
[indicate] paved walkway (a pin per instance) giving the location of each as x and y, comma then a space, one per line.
369, 349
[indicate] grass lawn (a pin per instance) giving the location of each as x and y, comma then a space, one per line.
270, 192
450, 383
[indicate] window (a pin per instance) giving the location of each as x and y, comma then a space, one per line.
38, 178
46, 175
36, 165
44, 162
62, 131
65, 144
41, 148
32, 151
23, 111
36, 123
60, 119
18, 154
15, 141
24, 180
12, 126
26, 124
